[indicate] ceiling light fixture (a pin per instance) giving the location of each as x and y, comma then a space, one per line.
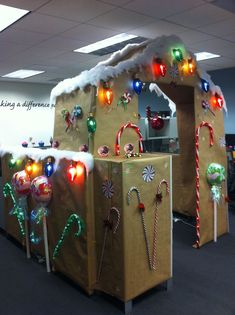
105, 43
22, 74
9, 15
205, 55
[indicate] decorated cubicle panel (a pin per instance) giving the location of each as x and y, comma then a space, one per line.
133, 224
70, 227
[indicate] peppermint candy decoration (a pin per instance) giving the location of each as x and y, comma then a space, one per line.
127, 97
107, 189
174, 71
148, 173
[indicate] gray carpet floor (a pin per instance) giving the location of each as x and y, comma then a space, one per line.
204, 283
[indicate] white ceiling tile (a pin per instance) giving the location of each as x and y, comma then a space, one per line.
69, 58
190, 37
162, 9
200, 16
158, 28
80, 10
59, 42
121, 20
118, 3
41, 23
89, 33
22, 36
230, 37
216, 46
221, 28
24, 4
9, 49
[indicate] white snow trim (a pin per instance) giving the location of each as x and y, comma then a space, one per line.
39, 154
156, 88
103, 71
213, 88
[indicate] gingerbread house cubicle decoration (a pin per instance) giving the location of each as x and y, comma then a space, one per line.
123, 245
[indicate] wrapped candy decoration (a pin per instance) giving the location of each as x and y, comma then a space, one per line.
215, 174
41, 190
21, 183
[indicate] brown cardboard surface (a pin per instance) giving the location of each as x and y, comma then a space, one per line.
74, 137
76, 258
125, 273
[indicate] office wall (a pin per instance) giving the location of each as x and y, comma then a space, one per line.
225, 78
25, 112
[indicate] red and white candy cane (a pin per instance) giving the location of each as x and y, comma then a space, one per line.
142, 209
109, 225
202, 124
120, 132
158, 201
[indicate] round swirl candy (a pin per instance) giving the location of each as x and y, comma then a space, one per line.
41, 189
21, 183
215, 174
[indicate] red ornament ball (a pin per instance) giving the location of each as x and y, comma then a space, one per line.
157, 123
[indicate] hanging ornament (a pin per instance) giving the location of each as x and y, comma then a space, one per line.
73, 218
174, 71
189, 66
217, 101
49, 167
91, 123
12, 163
158, 68
29, 167
177, 54
125, 99
156, 122
108, 95
72, 172
137, 85
148, 173
205, 86
108, 189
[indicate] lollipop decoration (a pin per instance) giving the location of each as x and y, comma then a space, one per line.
112, 226
73, 218
148, 173
120, 132
41, 190
215, 175
202, 124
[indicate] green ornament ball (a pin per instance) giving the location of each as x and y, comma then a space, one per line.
215, 174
